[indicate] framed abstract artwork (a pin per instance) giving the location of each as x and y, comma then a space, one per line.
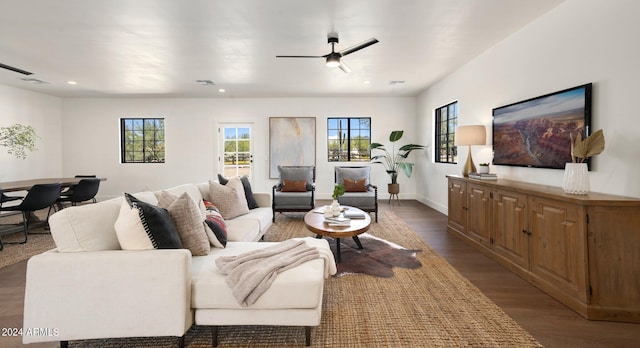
292, 142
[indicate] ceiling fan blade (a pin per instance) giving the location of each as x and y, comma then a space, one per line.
344, 67
358, 46
300, 56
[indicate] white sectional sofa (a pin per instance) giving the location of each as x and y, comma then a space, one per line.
88, 288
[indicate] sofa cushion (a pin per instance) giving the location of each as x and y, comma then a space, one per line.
187, 218
299, 287
86, 227
152, 221
263, 215
243, 230
229, 198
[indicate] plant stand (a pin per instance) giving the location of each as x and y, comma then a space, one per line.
393, 189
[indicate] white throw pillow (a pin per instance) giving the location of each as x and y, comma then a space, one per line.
130, 231
229, 198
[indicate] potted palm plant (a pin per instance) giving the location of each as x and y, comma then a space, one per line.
395, 160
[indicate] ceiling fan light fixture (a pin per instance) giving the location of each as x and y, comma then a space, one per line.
333, 61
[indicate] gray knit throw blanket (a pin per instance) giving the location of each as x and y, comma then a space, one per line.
249, 275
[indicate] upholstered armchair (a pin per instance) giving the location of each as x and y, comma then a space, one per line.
359, 192
295, 192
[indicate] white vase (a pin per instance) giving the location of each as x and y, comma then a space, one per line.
576, 179
327, 211
335, 207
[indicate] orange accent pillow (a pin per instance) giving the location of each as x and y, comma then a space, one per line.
294, 186
354, 185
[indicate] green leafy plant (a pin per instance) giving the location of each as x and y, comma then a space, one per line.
18, 139
589, 147
394, 161
484, 164
338, 191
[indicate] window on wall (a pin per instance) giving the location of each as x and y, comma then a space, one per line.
445, 128
348, 139
142, 140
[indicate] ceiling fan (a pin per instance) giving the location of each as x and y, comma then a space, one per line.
334, 58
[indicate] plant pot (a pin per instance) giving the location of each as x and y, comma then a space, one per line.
483, 169
393, 188
576, 179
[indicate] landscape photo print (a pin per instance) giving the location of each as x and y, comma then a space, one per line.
537, 132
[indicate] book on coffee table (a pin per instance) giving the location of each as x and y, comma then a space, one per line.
354, 214
337, 221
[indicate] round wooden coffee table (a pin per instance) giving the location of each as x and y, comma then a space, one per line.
316, 224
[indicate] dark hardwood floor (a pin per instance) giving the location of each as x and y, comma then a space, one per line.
549, 321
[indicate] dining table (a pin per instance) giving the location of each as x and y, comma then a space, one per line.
25, 185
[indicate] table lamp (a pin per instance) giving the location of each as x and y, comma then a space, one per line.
468, 136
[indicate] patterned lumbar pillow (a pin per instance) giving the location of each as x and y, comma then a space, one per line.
187, 218
229, 198
154, 221
216, 228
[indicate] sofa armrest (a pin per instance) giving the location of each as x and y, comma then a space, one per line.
263, 199
106, 294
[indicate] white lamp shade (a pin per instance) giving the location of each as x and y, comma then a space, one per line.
471, 135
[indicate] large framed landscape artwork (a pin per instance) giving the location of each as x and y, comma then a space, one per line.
537, 132
292, 142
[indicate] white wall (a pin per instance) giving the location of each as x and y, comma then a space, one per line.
42, 112
91, 137
579, 41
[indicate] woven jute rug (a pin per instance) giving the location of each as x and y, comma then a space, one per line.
431, 306
36, 243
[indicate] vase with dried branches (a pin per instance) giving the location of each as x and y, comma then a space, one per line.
18, 139
576, 173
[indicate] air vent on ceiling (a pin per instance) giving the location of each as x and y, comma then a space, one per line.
396, 82
205, 82
13, 68
34, 80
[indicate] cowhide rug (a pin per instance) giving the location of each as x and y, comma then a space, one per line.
377, 258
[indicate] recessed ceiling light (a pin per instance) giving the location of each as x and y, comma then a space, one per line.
205, 82
72, 82
222, 90
366, 82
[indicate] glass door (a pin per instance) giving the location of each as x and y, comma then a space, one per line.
237, 158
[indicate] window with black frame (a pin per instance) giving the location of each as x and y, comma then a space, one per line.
348, 139
142, 140
445, 130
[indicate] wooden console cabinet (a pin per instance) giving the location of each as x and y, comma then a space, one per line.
583, 250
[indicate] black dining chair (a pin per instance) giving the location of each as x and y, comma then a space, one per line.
4, 198
69, 190
37, 198
85, 190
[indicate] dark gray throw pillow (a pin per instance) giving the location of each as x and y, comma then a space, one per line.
157, 223
248, 193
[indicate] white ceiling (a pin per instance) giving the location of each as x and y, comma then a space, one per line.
159, 48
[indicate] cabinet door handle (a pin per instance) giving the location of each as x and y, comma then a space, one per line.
526, 232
